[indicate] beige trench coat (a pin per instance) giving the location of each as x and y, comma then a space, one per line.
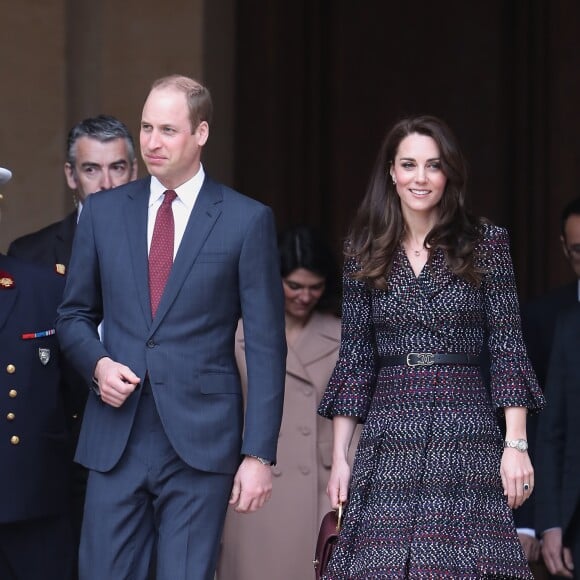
278, 541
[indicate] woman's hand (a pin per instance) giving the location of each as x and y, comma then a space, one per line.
517, 476
337, 488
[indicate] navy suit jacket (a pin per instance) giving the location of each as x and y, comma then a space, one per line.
226, 267
538, 326
35, 450
558, 450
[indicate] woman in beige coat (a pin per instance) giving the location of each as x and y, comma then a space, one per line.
278, 541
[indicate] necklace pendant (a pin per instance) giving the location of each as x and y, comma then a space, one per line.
417, 252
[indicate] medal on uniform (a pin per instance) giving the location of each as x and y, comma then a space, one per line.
44, 355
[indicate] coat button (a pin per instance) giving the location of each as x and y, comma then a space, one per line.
10, 369
304, 470
150, 343
307, 391
305, 431
10, 416
276, 471
12, 393
15, 440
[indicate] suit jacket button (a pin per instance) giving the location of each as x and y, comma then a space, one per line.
15, 440
10, 416
12, 393
150, 343
10, 369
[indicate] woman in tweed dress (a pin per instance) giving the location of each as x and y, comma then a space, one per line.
425, 284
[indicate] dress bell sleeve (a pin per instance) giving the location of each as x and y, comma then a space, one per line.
513, 381
351, 385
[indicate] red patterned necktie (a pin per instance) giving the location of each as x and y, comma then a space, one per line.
161, 250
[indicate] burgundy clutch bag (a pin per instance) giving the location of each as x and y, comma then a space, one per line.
327, 537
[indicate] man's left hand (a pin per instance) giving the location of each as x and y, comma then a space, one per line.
252, 486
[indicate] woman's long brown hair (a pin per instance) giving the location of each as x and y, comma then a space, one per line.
379, 225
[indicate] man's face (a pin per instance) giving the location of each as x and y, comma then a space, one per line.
571, 242
169, 149
99, 166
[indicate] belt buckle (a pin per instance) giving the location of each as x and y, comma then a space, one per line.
423, 359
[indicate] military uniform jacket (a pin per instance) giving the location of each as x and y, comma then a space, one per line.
35, 452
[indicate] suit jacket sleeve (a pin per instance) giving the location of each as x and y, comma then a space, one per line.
551, 439
81, 310
262, 307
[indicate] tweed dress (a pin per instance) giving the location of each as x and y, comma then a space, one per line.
426, 498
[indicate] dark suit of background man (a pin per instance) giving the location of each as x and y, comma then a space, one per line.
558, 443
162, 435
35, 531
100, 154
538, 324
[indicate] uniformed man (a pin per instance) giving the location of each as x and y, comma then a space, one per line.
35, 450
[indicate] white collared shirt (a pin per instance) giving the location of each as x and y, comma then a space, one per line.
181, 207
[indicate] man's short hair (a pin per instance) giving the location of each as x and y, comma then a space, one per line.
571, 208
103, 128
198, 97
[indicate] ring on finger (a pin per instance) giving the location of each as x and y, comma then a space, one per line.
526, 487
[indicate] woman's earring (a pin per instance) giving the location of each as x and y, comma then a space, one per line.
394, 180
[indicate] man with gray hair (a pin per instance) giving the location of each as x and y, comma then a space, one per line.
100, 155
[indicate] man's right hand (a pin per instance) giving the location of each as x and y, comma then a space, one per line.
531, 547
558, 559
115, 381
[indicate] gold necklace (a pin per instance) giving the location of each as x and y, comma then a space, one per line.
417, 253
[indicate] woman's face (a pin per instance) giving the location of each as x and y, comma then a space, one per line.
302, 291
417, 172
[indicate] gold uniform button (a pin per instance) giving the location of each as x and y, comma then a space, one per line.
12, 393
10, 369
10, 416
15, 440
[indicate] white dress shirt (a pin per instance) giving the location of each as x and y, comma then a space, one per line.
181, 206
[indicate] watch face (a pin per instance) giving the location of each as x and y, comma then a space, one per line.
522, 445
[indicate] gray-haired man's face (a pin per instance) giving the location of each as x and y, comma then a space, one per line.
99, 166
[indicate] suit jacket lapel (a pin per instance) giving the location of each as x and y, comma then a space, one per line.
203, 216
136, 212
64, 239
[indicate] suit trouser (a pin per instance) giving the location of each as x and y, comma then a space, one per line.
40, 549
152, 497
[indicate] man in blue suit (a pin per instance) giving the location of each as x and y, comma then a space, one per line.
35, 450
162, 435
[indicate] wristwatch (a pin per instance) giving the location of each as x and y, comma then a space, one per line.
260, 459
519, 444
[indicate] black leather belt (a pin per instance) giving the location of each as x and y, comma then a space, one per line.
421, 359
